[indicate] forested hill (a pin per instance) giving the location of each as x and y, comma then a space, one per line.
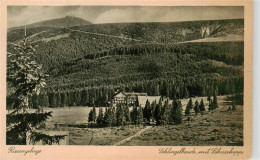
168, 59
57, 45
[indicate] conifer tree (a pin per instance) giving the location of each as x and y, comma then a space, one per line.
157, 112
196, 107
84, 98
58, 101
174, 107
137, 115
92, 115
147, 112
186, 93
134, 114
211, 107
68, 100
215, 102
77, 95
100, 118
120, 116
127, 114
178, 116
24, 75
188, 107
165, 113
153, 105
113, 116
108, 117
52, 100
209, 98
45, 100
202, 107
63, 96
140, 115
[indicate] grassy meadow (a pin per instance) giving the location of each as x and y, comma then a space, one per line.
219, 127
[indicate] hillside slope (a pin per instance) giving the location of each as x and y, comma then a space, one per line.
169, 59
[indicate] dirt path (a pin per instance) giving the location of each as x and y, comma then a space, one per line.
100, 34
133, 136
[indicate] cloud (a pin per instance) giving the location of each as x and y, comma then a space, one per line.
117, 15
168, 14
21, 15
28, 15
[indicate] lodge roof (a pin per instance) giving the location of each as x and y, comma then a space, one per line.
142, 99
134, 94
120, 94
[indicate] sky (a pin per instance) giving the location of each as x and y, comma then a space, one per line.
23, 15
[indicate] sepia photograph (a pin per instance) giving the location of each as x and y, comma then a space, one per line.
125, 75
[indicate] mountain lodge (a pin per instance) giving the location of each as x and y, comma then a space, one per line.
131, 98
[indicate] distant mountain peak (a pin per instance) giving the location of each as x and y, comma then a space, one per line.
65, 22
70, 16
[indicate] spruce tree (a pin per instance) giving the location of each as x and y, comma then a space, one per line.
157, 113
153, 105
140, 115
52, 100
178, 116
186, 93
134, 115
24, 75
113, 115
77, 95
127, 114
174, 107
202, 107
209, 98
45, 100
63, 96
90, 116
120, 116
100, 118
68, 100
108, 117
84, 97
196, 107
147, 112
165, 113
188, 107
211, 107
137, 115
58, 101
94, 114
215, 102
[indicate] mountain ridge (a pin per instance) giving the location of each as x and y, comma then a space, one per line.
67, 21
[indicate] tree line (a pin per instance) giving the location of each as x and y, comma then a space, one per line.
230, 53
161, 113
102, 96
152, 112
